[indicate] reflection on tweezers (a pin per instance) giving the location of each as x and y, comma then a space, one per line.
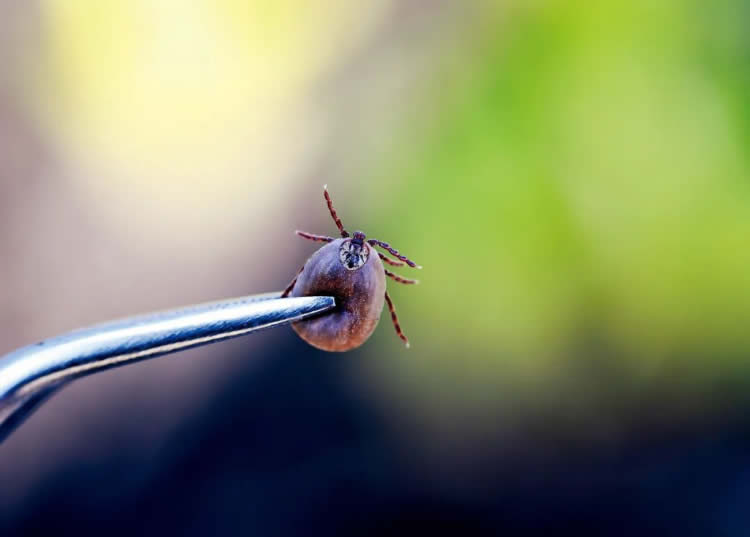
29, 375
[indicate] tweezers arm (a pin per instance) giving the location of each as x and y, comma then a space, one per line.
29, 373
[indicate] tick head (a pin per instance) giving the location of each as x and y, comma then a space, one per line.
359, 238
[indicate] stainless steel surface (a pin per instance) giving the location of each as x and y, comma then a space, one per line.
29, 375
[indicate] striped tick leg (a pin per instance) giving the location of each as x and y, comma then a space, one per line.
393, 252
394, 318
310, 236
291, 285
335, 217
390, 261
399, 279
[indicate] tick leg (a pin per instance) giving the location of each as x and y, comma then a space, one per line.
291, 285
398, 278
394, 318
336, 219
390, 261
316, 238
393, 252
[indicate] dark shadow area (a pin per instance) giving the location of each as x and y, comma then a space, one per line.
291, 449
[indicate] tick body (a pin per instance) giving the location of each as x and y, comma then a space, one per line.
359, 294
351, 270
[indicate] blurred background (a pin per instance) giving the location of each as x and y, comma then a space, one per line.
573, 177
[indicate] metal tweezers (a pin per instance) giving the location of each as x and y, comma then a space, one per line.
30, 375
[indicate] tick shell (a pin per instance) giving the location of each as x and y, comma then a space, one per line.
359, 298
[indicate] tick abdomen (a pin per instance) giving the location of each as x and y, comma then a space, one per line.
359, 295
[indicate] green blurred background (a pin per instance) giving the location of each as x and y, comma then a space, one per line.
575, 179
573, 176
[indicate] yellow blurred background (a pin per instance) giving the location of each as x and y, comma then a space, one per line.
572, 176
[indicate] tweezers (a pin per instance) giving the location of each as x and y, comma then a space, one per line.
30, 375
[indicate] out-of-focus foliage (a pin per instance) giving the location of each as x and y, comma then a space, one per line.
575, 182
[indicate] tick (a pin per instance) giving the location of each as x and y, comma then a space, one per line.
351, 270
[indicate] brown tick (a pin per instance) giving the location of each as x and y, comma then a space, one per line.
347, 269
